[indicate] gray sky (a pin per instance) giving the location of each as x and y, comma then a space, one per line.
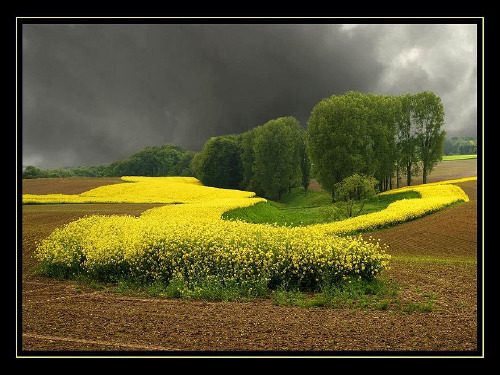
94, 94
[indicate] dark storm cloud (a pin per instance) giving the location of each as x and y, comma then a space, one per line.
440, 58
93, 94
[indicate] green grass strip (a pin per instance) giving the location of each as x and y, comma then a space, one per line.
297, 209
459, 157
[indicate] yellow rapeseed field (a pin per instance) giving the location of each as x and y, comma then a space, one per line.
190, 241
143, 190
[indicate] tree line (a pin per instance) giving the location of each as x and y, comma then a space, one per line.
375, 135
155, 161
385, 137
269, 159
460, 146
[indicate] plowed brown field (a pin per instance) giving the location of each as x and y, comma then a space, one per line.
66, 185
435, 260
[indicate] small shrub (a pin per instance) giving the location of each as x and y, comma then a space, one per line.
330, 213
354, 189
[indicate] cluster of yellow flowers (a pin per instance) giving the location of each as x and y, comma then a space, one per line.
191, 242
434, 196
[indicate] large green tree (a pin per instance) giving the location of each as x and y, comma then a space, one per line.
276, 164
379, 150
219, 163
429, 120
406, 137
338, 139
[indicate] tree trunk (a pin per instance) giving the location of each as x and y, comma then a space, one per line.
408, 174
424, 174
362, 205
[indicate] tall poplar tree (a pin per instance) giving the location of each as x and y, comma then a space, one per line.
429, 120
406, 137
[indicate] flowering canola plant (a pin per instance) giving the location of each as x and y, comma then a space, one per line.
434, 196
166, 190
190, 241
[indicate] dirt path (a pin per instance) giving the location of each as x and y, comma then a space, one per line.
434, 259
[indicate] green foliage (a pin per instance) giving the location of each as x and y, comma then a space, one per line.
167, 160
93, 171
422, 307
352, 133
210, 290
375, 135
274, 158
354, 189
32, 172
429, 119
276, 164
405, 139
247, 160
335, 134
331, 213
378, 144
351, 293
219, 163
195, 164
460, 146
420, 137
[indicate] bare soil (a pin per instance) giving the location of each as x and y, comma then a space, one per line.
69, 185
435, 261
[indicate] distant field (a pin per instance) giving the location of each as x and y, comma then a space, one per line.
448, 170
459, 157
